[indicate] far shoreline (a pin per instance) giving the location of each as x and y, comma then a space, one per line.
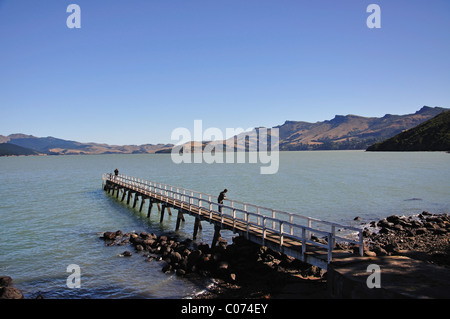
166, 153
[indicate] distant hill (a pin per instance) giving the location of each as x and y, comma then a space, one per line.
55, 146
350, 131
432, 135
8, 149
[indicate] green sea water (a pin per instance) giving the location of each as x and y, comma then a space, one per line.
53, 210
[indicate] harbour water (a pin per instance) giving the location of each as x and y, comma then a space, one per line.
53, 210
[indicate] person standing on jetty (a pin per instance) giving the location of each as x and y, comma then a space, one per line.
221, 198
116, 172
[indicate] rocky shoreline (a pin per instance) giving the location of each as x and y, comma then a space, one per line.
241, 269
244, 270
423, 237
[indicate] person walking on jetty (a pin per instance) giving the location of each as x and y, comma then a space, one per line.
221, 198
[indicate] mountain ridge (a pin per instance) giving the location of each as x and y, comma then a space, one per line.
349, 131
431, 135
343, 132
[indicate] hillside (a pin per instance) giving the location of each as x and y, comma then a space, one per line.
55, 146
350, 131
7, 149
347, 132
432, 135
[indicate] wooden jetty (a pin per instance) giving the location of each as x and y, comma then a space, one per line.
288, 233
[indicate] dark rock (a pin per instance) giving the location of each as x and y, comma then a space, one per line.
393, 219
391, 248
165, 247
420, 231
222, 243
379, 251
148, 242
409, 233
127, 253
205, 262
180, 272
357, 218
123, 242
405, 223
109, 235
175, 257
143, 235
185, 252
193, 259
416, 224
440, 231
10, 293
163, 244
166, 267
223, 265
184, 264
204, 247
366, 232
384, 223
430, 225
5, 281
136, 240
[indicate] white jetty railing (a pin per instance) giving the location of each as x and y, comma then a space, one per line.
258, 221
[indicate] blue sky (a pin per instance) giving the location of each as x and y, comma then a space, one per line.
138, 69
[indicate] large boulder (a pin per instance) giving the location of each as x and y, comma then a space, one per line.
10, 293
5, 281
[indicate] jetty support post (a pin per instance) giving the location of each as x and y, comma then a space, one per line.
180, 218
163, 208
150, 205
142, 204
197, 226
124, 193
136, 198
129, 197
216, 236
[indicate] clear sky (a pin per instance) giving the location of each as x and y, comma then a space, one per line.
138, 69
